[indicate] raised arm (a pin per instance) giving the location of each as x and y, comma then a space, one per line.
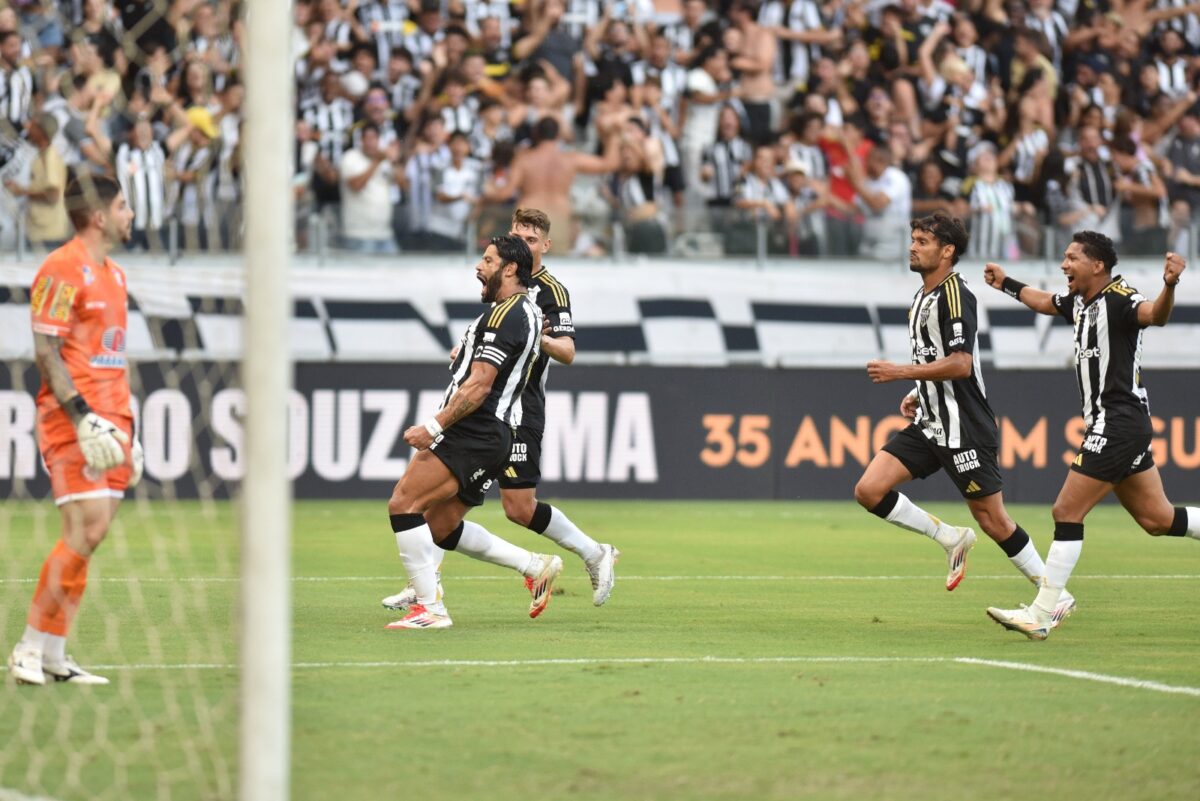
1039, 300
1158, 312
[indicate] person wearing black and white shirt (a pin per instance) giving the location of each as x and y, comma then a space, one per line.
141, 171
991, 200
765, 199
16, 82
726, 161
1115, 455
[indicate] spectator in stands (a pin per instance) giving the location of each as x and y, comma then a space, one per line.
194, 181
1143, 197
755, 62
810, 198
543, 37
633, 190
542, 175
367, 176
765, 200
705, 97
884, 198
457, 194
724, 165
47, 226
16, 84
930, 194
991, 200
141, 168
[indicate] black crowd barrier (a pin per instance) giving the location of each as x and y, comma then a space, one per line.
612, 432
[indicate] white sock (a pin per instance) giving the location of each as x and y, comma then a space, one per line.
565, 533
479, 543
1193, 524
908, 515
55, 651
1029, 563
33, 638
1060, 562
419, 555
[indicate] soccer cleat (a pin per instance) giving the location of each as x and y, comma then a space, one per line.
1023, 620
1063, 609
25, 665
408, 596
542, 585
70, 672
956, 557
419, 617
603, 574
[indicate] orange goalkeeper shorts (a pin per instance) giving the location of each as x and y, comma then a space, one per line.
70, 477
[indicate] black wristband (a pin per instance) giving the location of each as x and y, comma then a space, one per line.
79, 407
1011, 286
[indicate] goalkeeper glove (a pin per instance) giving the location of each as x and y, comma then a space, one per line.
138, 462
99, 439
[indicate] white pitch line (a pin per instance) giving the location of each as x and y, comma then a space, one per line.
1121, 681
15, 795
397, 576
1084, 675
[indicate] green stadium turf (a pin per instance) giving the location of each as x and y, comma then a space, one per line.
749, 650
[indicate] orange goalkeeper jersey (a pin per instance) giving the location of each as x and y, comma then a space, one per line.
85, 304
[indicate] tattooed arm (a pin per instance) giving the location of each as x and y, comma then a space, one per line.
54, 371
466, 399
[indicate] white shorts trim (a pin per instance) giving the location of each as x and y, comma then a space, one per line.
83, 496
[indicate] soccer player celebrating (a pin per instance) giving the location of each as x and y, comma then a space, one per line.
85, 427
1109, 316
519, 479
953, 428
462, 448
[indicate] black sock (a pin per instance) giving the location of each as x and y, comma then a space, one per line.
541, 518
885, 507
406, 521
1179, 525
1015, 542
1068, 531
451, 541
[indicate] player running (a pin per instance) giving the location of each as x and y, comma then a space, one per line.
519, 479
1109, 316
85, 427
462, 448
953, 428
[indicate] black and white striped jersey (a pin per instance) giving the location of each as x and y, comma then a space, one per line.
1108, 358
508, 336
945, 320
554, 302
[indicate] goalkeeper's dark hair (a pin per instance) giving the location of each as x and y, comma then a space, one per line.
512, 249
87, 194
946, 230
1097, 246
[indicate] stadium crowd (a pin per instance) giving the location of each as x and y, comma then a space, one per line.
423, 123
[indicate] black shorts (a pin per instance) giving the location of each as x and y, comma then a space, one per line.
673, 178
524, 468
1113, 457
975, 470
475, 449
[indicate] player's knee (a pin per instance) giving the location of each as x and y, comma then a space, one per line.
1155, 525
867, 494
1061, 513
401, 503
519, 510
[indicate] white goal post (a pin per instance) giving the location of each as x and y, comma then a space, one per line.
264, 735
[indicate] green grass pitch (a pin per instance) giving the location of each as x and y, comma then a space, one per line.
749, 651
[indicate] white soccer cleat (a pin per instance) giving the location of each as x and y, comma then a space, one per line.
956, 556
419, 617
408, 596
603, 574
1063, 609
25, 665
1023, 620
70, 672
542, 585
